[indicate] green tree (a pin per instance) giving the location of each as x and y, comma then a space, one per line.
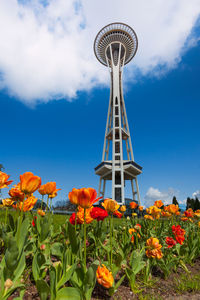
1, 167
196, 204
188, 203
174, 201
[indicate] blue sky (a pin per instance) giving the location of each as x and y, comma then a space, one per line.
57, 132
63, 141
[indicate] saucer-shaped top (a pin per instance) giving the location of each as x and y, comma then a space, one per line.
115, 32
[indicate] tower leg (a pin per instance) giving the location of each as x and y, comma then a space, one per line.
133, 190
104, 187
99, 190
138, 193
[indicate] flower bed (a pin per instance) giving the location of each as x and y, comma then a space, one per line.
90, 255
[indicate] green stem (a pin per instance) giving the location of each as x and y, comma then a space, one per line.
6, 215
50, 204
111, 232
42, 201
85, 240
75, 219
47, 207
20, 220
124, 228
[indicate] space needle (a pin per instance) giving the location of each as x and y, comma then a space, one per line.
115, 45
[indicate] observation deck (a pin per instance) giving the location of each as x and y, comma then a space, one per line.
113, 33
131, 169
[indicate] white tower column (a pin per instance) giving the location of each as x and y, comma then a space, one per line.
114, 46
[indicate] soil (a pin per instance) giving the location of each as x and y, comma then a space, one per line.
161, 289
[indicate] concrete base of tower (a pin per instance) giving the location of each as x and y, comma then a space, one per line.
131, 169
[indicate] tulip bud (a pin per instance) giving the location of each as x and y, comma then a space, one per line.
123, 266
56, 263
42, 247
8, 284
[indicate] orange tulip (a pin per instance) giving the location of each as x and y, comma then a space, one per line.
133, 205
29, 183
87, 197
132, 230
7, 202
123, 208
184, 219
80, 215
84, 197
50, 188
172, 208
4, 180
148, 217
16, 194
29, 203
42, 190
153, 210
153, 248
73, 196
158, 203
196, 214
104, 277
53, 195
41, 212
140, 208
110, 205
166, 214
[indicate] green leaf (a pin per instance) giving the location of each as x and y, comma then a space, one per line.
20, 267
11, 222
52, 273
23, 234
66, 276
90, 277
38, 261
11, 258
119, 282
106, 248
77, 277
43, 289
137, 264
57, 250
72, 238
11, 290
68, 293
45, 228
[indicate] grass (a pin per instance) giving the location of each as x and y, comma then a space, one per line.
57, 219
187, 283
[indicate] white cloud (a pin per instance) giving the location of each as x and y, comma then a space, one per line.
46, 51
196, 194
154, 194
